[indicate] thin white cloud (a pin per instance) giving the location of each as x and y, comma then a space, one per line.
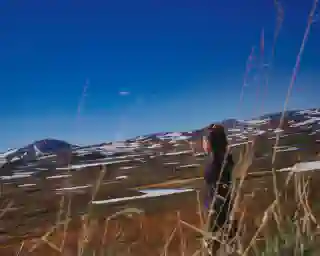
124, 93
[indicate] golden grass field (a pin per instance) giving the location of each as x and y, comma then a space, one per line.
37, 221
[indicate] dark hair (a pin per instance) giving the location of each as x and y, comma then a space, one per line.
217, 139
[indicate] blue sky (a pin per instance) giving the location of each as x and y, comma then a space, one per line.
182, 63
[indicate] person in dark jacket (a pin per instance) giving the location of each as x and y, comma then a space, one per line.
217, 176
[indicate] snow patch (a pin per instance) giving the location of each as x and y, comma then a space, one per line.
178, 153
80, 166
59, 176
189, 165
73, 188
27, 185
312, 120
148, 193
123, 177
303, 167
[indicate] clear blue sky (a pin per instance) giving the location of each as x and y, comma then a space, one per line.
182, 63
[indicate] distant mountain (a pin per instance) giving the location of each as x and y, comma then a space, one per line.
39, 148
230, 122
294, 120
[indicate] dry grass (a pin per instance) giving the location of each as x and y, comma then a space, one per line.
264, 228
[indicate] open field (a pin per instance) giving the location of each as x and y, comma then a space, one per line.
45, 212
140, 231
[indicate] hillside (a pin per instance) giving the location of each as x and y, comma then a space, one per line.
35, 191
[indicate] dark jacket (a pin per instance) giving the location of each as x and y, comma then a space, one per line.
213, 170
213, 183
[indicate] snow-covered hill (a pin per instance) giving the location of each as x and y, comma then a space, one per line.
295, 120
58, 151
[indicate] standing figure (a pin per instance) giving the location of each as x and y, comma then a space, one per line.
218, 179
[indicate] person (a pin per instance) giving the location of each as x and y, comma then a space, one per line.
217, 176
